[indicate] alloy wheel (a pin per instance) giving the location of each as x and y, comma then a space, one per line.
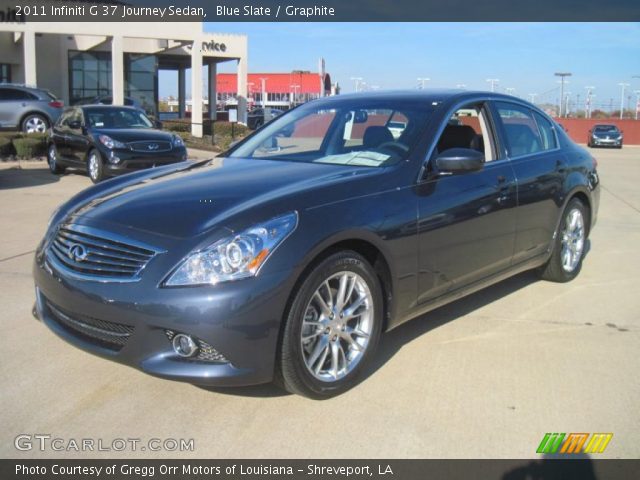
52, 158
337, 325
35, 125
93, 165
573, 237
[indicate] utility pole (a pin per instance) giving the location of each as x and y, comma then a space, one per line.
637, 92
532, 97
422, 81
493, 82
562, 76
510, 90
589, 90
624, 87
566, 108
357, 81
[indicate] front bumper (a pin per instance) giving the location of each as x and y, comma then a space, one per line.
131, 161
604, 142
241, 320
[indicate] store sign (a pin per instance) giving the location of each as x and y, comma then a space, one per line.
213, 46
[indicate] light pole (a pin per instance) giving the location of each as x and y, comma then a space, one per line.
532, 97
624, 87
493, 82
357, 81
589, 90
637, 92
422, 81
562, 76
566, 100
263, 83
510, 90
295, 93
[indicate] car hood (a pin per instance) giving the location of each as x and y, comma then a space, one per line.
134, 134
189, 201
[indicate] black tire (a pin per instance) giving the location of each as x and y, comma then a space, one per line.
292, 372
52, 160
258, 124
34, 123
554, 270
98, 174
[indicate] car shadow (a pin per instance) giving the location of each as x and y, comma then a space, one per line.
12, 178
391, 342
267, 390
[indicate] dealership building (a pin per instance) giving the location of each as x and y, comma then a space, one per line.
78, 61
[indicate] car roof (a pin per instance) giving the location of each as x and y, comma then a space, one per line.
100, 106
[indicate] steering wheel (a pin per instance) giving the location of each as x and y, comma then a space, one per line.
391, 145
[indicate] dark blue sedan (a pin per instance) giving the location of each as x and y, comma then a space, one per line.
286, 258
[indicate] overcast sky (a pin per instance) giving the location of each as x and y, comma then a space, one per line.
523, 56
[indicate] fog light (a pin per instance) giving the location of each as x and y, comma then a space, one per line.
184, 345
114, 158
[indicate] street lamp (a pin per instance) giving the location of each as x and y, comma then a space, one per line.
510, 90
493, 82
422, 81
637, 92
624, 87
566, 108
532, 97
562, 76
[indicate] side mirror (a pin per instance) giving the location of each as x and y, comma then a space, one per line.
459, 160
75, 125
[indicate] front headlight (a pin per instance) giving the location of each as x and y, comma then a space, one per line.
109, 142
177, 141
236, 257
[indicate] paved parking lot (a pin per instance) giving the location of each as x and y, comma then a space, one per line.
486, 376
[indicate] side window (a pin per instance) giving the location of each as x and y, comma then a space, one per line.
547, 133
12, 94
520, 129
468, 128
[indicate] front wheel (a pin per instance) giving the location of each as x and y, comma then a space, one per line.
332, 327
95, 166
569, 247
52, 160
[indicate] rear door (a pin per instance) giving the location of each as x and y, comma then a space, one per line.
540, 167
13, 104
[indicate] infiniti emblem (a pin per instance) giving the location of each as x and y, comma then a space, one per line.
153, 146
77, 252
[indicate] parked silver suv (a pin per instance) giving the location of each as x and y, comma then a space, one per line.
28, 109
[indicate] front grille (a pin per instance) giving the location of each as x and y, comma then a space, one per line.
109, 335
150, 147
91, 253
206, 353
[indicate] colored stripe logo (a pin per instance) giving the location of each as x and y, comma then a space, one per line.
574, 443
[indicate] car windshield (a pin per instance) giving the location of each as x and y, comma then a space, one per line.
606, 128
362, 132
116, 118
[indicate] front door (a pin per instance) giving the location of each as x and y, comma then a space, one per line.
467, 221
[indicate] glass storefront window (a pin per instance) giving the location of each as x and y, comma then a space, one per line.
89, 75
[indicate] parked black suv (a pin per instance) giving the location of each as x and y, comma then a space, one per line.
109, 140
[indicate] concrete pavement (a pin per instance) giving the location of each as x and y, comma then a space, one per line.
486, 376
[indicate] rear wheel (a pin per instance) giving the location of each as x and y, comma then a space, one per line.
95, 166
35, 123
332, 327
568, 251
52, 160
